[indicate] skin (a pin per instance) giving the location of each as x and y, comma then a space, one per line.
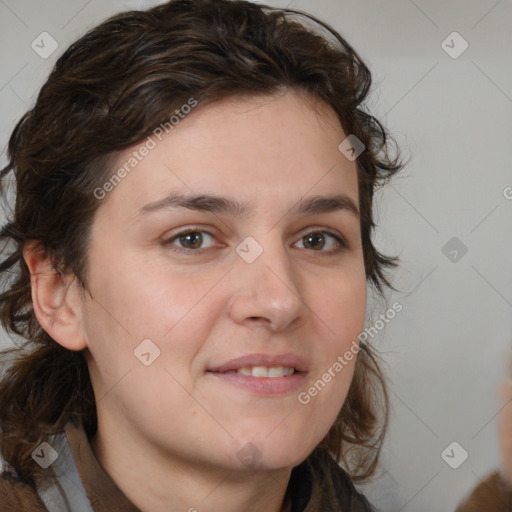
169, 433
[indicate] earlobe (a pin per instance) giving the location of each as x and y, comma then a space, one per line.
55, 298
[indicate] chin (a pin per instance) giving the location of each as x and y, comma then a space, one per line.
272, 454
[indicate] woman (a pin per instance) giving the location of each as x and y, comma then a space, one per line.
190, 251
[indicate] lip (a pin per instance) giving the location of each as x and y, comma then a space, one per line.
269, 386
287, 360
266, 386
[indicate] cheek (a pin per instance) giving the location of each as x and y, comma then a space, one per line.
343, 306
153, 303
143, 299
341, 317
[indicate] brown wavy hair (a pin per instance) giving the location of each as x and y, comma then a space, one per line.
110, 90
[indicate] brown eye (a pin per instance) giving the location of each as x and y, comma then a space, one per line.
191, 240
314, 240
319, 240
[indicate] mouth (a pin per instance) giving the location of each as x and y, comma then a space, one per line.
263, 374
262, 371
264, 365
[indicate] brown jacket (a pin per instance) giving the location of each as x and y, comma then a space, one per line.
316, 485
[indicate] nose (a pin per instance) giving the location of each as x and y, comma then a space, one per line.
267, 291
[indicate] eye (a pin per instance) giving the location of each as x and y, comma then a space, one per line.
190, 240
318, 240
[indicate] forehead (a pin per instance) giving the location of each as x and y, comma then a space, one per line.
264, 150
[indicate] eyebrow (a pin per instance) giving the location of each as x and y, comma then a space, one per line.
231, 206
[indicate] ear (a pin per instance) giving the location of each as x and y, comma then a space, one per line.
55, 298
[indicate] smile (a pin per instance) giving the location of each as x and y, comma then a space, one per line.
263, 371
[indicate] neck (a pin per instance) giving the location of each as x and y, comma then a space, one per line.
155, 483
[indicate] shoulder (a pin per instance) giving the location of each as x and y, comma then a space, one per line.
345, 491
16, 495
491, 495
332, 487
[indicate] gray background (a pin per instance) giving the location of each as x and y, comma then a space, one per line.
446, 351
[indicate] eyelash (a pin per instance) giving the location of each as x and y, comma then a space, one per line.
333, 252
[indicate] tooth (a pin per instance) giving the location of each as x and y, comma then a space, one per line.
259, 371
276, 371
263, 371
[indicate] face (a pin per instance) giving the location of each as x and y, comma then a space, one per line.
191, 306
